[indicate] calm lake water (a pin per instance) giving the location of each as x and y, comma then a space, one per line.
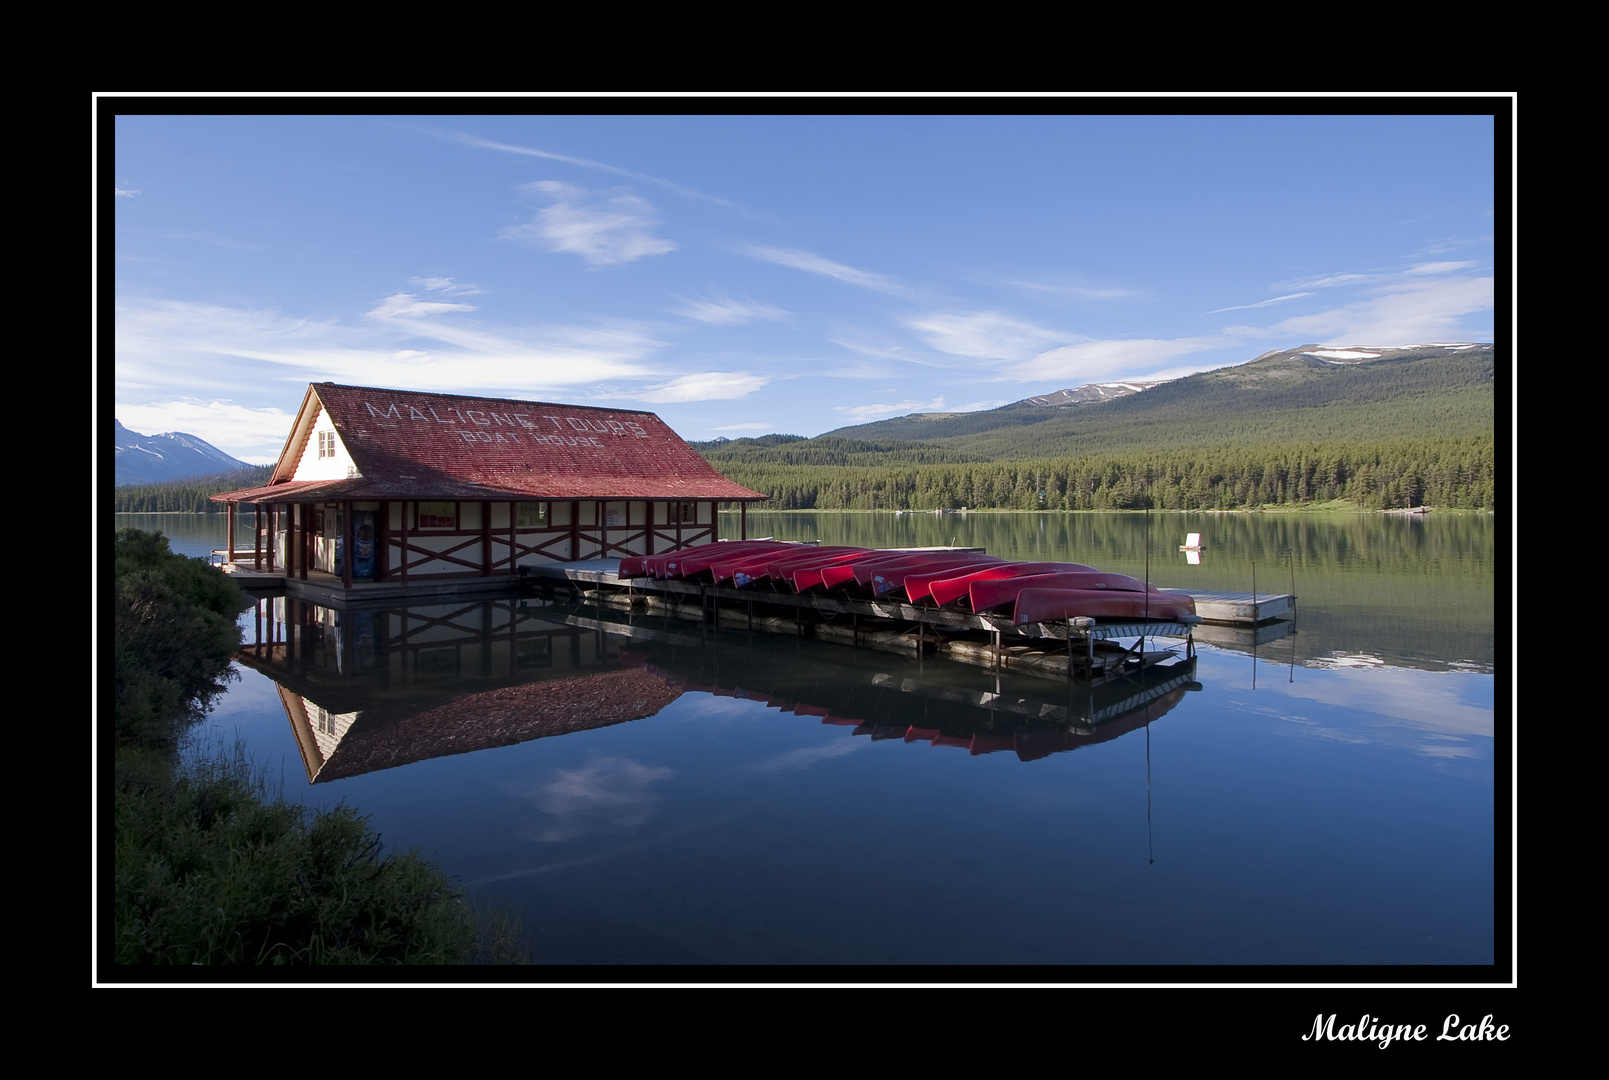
1323, 795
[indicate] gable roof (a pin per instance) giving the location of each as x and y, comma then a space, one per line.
411, 445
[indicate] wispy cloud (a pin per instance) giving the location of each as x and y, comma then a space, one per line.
1328, 281
1426, 269
723, 310
604, 228
702, 386
814, 264
254, 435
1405, 312
527, 151
986, 335
1095, 361
1075, 291
881, 352
446, 286
169, 349
744, 427
866, 413
409, 306
805, 757
1261, 303
203, 237
125, 193
1406, 708
608, 794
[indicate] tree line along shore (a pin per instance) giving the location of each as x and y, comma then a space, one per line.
1403, 474
1447, 473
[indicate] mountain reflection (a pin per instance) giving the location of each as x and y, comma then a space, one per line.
374, 688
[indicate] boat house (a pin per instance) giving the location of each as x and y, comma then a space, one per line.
396, 488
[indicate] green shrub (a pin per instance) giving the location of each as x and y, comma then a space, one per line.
173, 636
209, 870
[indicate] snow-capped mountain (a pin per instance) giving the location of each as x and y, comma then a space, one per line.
173, 455
1091, 392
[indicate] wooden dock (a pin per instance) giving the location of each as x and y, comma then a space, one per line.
1225, 608
1081, 647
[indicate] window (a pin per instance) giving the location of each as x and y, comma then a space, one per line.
531, 515
534, 652
688, 511
430, 663
326, 444
436, 515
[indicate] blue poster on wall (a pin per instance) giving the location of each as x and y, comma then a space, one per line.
363, 545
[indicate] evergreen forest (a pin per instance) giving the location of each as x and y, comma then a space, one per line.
1285, 430
189, 496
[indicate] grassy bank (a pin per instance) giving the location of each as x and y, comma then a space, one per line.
209, 866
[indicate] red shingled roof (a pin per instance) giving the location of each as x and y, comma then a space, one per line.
409, 445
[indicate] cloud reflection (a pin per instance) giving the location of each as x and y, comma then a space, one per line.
608, 794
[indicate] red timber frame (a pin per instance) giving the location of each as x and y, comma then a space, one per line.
484, 550
493, 550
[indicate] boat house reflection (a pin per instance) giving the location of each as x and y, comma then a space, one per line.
373, 688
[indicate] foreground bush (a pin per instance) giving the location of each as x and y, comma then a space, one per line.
209, 870
173, 636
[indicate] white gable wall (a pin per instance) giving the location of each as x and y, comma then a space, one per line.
313, 467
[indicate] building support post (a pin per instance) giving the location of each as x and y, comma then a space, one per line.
346, 543
402, 560
382, 542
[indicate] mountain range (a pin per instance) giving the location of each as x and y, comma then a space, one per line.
1301, 394
173, 455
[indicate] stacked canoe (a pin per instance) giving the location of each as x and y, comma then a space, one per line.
1027, 592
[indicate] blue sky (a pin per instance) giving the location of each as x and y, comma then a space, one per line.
743, 274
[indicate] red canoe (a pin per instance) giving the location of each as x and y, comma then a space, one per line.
694, 560
891, 579
991, 594
803, 573
1056, 605
747, 563
844, 573
909, 562
945, 586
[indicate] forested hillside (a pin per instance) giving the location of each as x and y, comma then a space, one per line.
191, 496
1414, 429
